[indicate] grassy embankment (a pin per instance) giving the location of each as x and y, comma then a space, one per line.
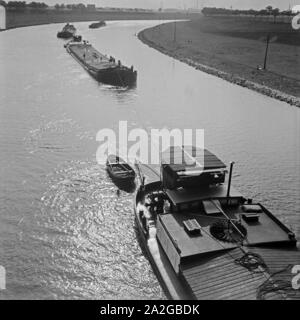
233, 48
17, 18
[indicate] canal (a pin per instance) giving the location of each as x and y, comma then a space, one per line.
65, 231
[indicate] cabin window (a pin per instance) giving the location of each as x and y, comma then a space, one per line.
232, 202
184, 207
195, 206
174, 208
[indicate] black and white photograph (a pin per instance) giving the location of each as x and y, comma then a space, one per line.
149, 152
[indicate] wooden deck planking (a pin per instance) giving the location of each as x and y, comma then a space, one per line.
229, 278
278, 259
248, 288
213, 263
217, 271
242, 286
220, 277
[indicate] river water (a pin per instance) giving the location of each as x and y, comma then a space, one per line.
65, 231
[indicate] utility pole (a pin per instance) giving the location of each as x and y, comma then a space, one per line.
266, 53
175, 32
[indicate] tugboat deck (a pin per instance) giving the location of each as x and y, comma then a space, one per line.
213, 242
220, 277
266, 232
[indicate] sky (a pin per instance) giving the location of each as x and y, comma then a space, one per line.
155, 4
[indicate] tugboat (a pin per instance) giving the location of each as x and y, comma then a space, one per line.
96, 25
67, 32
204, 239
104, 69
77, 38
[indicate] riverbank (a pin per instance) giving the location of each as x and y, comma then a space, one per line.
23, 18
233, 50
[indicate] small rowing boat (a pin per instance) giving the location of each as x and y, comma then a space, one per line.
119, 170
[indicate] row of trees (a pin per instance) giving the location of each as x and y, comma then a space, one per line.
41, 5
269, 10
23, 5
79, 6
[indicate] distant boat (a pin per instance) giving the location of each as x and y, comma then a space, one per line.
104, 69
96, 25
67, 32
119, 170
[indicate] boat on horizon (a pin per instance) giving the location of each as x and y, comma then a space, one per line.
101, 67
67, 32
204, 239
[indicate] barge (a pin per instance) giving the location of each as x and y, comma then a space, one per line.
204, 239
67, 32
104, 69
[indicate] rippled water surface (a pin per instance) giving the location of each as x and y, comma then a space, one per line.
65, 230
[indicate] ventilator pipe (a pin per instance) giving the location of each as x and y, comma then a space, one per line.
229, 180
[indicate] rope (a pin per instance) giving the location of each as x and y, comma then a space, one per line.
252, 261
220, 243
240, 229
276, 283
228, 231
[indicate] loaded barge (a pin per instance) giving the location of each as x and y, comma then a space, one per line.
104, 69
204, 239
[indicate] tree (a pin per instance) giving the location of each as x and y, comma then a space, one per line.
269, 9
18, 5
37, 5
275, 13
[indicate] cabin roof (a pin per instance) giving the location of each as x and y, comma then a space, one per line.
190, 158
